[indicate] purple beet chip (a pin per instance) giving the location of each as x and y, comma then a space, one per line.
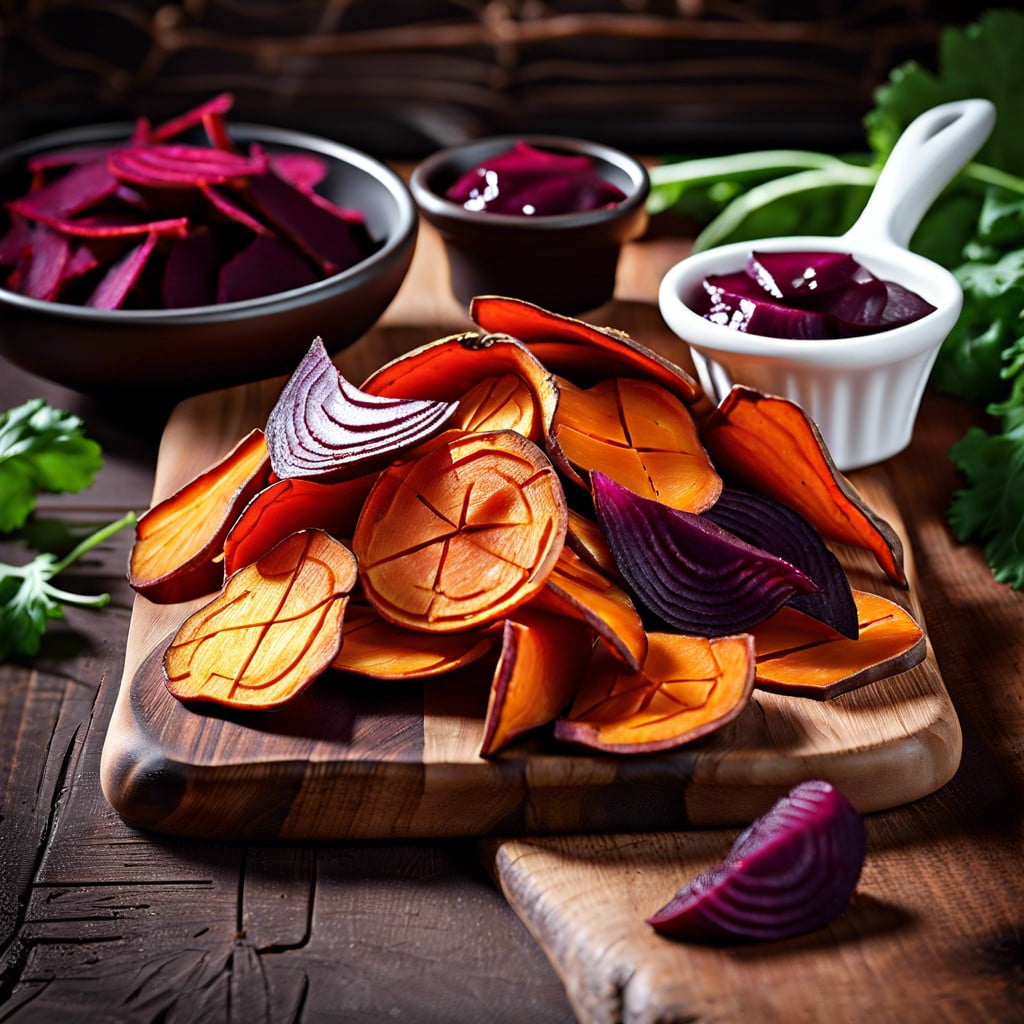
119, 280
324, 237
190, 273
265, 266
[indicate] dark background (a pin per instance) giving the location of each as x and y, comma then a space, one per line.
399, 79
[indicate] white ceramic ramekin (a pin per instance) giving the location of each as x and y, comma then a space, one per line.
864, 392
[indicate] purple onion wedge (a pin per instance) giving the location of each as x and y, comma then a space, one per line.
687, 572
790, 872
324, 428
768, 524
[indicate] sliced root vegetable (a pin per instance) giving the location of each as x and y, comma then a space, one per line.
16, 240
584, 536
174, 165
448, 369
265, 266
543, 660
190, 272
567, 345
330, 241
271, 631
302, 170
498, 403
771, 445
798, 656
461, 534
288, 506
116, 284
172, 128
230, 210
688, 687
49, 253
373, 647
118, 224
791, 872
179, 541
768, 524
81, 188
690, 574
640, 435
322, 427
579, 591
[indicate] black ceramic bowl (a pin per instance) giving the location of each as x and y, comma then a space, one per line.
565, 262
196, 349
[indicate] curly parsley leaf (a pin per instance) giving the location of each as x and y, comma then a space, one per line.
41, 449
29, 599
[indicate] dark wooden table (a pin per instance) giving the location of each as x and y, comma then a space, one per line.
99, 922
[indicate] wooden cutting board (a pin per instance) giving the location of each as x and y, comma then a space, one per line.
359, 759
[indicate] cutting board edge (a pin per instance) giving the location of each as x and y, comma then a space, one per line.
152, 790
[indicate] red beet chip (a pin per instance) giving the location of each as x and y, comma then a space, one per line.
326, 238
265, 266
119, 280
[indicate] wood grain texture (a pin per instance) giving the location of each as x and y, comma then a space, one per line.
351, 760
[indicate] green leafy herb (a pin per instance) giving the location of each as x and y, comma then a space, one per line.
976, 228
41, 449
29, 600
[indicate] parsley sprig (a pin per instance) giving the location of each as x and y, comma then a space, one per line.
42, 449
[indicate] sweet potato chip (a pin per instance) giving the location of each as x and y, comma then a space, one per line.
463, 533
288, 506
577, 590
179, 541
687, 688
799, 656
270, 632
372, 646
449, 370
543, 659
771, 445
639, 435
566, 345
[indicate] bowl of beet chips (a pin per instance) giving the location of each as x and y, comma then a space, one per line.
192, 254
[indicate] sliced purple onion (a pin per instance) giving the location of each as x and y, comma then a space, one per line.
770, 525
686, 571
791, 872
322, 427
